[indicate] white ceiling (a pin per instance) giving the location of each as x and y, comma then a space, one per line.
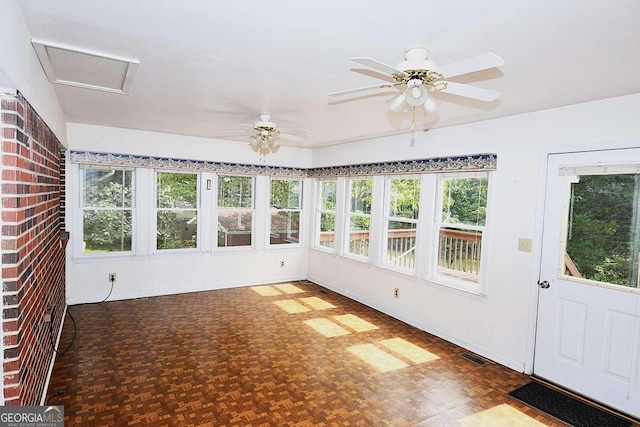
209, 65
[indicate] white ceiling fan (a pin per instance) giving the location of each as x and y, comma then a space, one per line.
419, 76
264, 135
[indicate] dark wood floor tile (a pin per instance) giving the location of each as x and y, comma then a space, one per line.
234, 357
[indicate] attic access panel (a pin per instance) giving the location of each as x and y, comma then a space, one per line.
90, 70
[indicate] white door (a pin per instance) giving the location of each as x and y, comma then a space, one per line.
588, 330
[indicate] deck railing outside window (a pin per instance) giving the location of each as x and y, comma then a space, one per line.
459, 251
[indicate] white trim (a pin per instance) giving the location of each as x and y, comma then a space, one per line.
54, 354
117, 296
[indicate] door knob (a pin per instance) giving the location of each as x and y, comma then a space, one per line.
544, 284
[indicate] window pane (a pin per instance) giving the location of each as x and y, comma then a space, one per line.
359, 235
361, 196
177, 190
285, 227
107, 188
401, 243
404, 198
459, 253
106, 231
464, 201
177, 229
234, 227
602, 237
328, 195
235, 191
327, 230
285, 194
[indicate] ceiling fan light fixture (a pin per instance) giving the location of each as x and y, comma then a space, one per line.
397, 103
416, 93
429, 105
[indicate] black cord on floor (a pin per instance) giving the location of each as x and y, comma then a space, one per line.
75, 332
53, 396
75, 326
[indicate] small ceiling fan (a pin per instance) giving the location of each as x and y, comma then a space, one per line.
419, 76
264, 135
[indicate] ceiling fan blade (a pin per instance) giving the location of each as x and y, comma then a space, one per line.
470, 65
361, 89
469, 91
377, 65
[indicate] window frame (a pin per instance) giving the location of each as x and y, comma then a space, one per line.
479, 286
218, 208
154, 213
386, 218
271, 209
82, 208
319, 211
347, 215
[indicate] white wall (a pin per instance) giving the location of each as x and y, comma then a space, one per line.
498, 325
145, 273
20, 69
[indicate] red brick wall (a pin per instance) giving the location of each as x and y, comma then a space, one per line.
33, 255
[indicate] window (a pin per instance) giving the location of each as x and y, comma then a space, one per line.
107, 210
176, 210
602, 241
235, 210
326, 214
461, 225
401, 221
358, 216
286, 206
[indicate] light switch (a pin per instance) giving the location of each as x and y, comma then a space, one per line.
524, 245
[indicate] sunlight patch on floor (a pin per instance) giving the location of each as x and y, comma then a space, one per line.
266, 291
378, 358
356, 323
501, 415
326, 327
291, 306
409, 350
317, 303
289, 288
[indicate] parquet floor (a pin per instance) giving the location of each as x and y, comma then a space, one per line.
275, 355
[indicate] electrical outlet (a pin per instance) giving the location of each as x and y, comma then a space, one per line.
281, 264
48, 315
112, 277
396, 292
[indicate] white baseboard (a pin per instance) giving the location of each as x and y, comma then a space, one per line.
147, 293
43, 399
495, 357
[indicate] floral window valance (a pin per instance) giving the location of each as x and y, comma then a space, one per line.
474, 162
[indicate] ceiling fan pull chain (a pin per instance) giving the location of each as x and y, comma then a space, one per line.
413, 120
